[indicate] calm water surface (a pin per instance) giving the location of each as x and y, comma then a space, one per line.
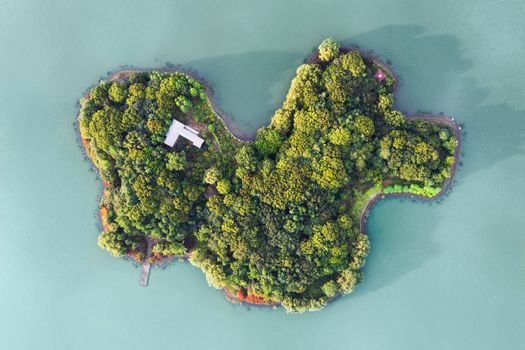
445, 276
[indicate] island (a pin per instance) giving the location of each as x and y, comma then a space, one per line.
279, 219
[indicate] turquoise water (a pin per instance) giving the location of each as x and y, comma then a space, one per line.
444, 276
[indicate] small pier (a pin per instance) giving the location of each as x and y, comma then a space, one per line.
146, 265
144, 273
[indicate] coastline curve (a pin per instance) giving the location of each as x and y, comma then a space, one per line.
376, 197
123, 74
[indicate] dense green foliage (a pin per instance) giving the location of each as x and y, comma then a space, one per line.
152, 191
425, 191
328, 50
277, 217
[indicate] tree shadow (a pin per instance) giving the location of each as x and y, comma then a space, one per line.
433, 74
248, 87
398, 244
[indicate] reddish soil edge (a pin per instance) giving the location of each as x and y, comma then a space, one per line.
251, 299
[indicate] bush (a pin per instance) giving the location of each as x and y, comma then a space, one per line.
167, 249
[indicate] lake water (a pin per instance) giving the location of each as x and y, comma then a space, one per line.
440, 276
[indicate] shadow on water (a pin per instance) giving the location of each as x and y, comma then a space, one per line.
440, 79
249, 87
434, 74
398, 245
433, 66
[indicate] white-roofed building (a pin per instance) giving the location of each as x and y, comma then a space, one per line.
178, 129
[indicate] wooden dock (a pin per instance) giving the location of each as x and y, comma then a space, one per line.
144, 273
146, 265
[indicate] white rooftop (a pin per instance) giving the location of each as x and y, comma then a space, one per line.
178, 129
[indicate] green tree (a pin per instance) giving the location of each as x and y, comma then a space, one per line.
176, 161
285, 225
212, 175
385, 102
113, 243
223, 186
353, 62
330, 289
268, 141
328, 50
364, 125
394, 118
340, 136
117, 92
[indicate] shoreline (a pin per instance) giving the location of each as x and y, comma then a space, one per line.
234, 299
376, 197
234, 131
230, 126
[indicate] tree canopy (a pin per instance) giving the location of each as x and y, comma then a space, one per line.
273, 218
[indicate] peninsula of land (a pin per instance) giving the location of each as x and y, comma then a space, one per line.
275, 220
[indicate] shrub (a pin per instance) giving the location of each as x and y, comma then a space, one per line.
426, 191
